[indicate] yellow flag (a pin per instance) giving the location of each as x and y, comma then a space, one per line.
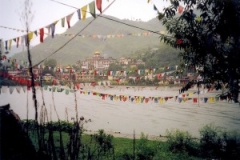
211, 99
84, 12
30, 36
161, 100
185, 99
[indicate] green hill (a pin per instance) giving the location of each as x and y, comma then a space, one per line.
80, 48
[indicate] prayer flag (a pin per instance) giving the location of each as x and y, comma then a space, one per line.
68, 18
92, 9
180, 9
35, 32
155, 8
30, 36
205, 99
41, 34
99, 5
195, 100
6, 45
18, 41
79, 14
84, 12
53, 29
161, 100
10, 44
63, 22
211, 99
180, 99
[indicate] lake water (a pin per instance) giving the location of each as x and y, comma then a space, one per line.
113, 115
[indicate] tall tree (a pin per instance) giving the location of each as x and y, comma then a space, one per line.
207, 32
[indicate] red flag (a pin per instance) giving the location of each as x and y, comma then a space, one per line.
195, 100
180, 9
68, 18
41, 35
99, 5
103, 97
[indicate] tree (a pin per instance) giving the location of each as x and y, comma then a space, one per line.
50, 63
140, 66
114, 67
208, 36
46, 70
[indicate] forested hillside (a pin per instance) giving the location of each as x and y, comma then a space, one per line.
133, 41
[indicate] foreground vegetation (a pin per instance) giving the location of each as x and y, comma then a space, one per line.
213, 143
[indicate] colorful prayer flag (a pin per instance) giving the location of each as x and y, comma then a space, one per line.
63, 22
79, 14
92, 9
99, 5
68, 18
41, 34
180, 9
84, 12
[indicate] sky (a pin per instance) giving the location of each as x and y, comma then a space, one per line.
45, 12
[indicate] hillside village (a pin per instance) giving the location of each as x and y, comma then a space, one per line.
97, 69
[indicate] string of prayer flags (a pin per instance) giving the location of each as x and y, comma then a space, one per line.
51, 27
104, 96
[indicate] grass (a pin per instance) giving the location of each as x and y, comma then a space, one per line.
123, 147
213, 143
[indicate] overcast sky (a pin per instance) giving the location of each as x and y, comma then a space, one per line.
46, 12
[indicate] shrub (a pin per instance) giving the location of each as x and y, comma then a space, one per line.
125, 156
181, 141
210, 141
144, 151
230, 146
